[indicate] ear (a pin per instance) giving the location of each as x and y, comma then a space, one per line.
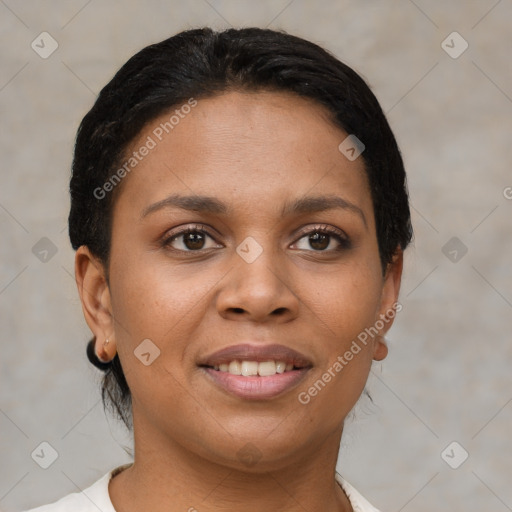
389, 305
95, 297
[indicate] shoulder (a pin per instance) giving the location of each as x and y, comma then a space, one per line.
359, 504
97, 497
91, 499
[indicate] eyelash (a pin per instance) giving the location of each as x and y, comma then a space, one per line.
340, 236
342, 239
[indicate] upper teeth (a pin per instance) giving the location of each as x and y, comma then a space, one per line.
252, 368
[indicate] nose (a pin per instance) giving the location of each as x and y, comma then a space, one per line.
257, 292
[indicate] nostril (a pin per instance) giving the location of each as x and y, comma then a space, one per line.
237, 310
279, 311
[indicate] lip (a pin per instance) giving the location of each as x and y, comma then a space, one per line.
259, 353
256, 387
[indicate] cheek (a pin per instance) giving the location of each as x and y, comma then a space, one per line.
344, 305
345, 301
153, 299
150, 301
165, 303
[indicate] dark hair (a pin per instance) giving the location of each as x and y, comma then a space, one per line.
201, 63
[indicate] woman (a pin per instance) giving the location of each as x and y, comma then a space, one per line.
239, 213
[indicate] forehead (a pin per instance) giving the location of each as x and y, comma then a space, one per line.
263, 146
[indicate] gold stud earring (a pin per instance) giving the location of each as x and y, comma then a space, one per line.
104, 356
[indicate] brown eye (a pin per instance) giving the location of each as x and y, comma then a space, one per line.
323, 239
319, 241
189, 240
193, 241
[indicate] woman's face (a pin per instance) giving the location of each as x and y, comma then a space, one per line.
245, 236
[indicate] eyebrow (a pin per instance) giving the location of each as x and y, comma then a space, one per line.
193, 203
313, 204
207, 204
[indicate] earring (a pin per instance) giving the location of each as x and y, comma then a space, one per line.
104, 356
101, 363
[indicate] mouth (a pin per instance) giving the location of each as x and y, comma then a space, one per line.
254, 368
256, 372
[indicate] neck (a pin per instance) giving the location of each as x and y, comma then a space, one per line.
176, 479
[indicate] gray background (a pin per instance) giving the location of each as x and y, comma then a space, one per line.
447, 377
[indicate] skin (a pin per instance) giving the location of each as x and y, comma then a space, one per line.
255, 152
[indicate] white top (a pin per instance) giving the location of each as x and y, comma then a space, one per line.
96, 497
